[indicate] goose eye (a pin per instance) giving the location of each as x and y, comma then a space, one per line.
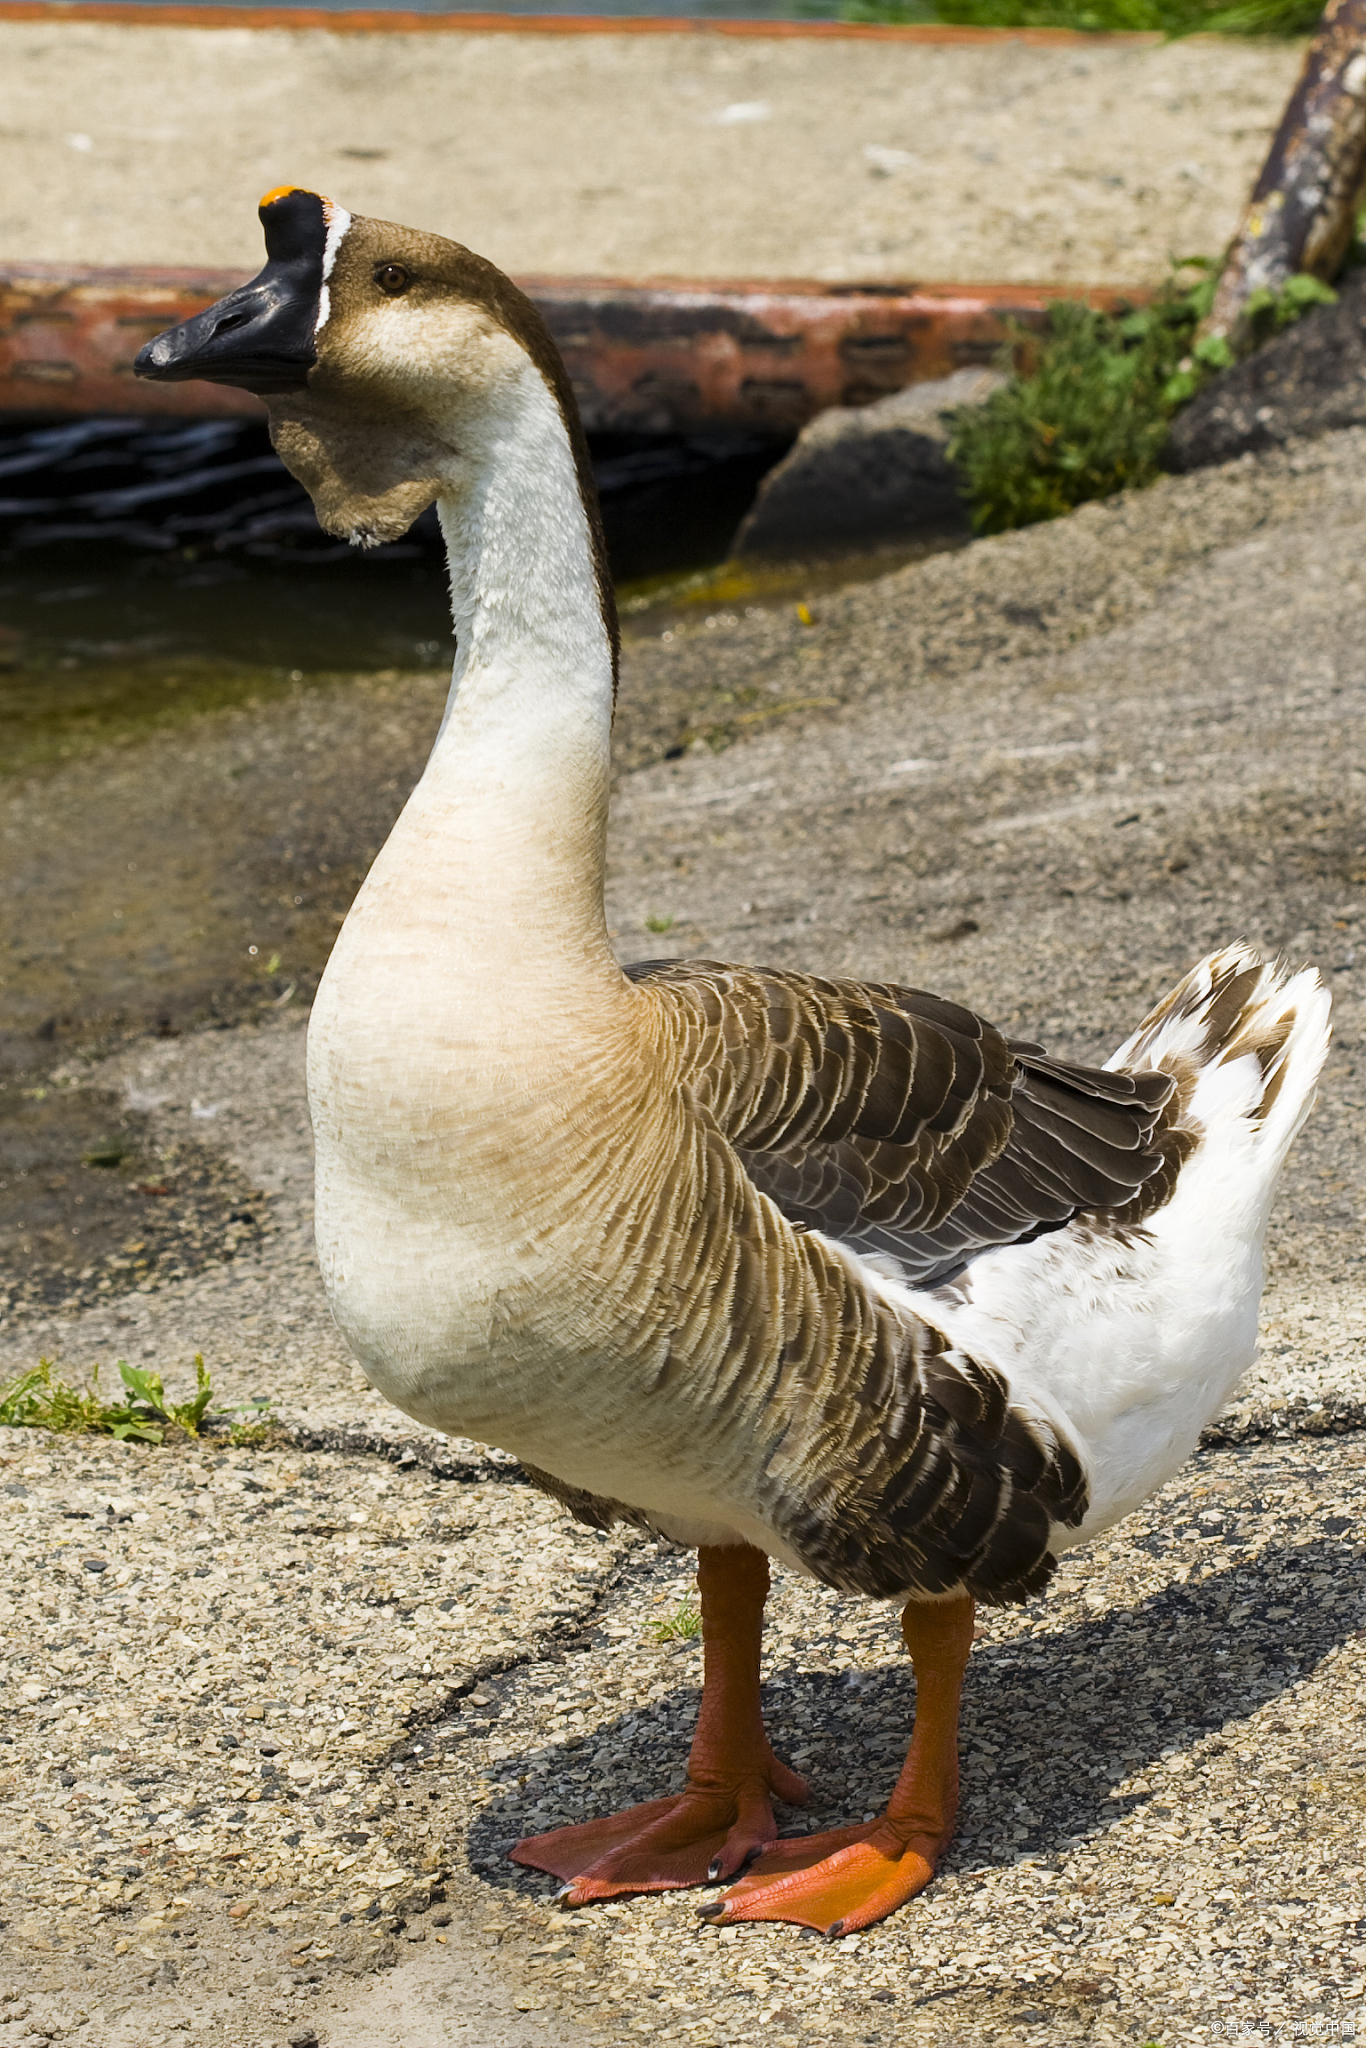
393, 278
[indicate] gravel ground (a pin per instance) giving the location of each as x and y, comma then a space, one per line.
335, 1671
641, 156
236, 1786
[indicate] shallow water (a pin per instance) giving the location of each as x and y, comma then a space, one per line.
151, 574
150, 570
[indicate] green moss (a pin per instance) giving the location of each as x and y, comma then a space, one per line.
1087, 412
55, 714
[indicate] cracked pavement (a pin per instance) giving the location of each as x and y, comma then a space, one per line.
273, 1710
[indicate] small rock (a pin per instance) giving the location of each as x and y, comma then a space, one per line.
862, 475
303, 2037
1308, 381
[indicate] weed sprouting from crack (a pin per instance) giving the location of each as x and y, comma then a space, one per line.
1088, 404
682, 1626
39, 1400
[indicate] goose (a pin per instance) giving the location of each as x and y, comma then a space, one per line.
778, 1266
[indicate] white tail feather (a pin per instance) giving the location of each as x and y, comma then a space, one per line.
1252, 1037
1128, 1342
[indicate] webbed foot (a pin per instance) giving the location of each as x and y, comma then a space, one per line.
702, 1835
724, 1816
835, 1882
852, 1877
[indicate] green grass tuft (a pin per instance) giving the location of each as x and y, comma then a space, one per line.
1163, 17
37, 1400
682, 1626
1087, 415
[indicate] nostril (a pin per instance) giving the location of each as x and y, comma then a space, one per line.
228, 322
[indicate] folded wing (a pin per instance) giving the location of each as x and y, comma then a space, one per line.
905, 1125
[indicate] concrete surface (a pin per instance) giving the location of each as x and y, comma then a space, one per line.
1042, 774
691, 156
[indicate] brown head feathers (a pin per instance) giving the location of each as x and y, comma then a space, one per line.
381, 353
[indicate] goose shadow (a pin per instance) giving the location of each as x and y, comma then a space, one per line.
1050, 1718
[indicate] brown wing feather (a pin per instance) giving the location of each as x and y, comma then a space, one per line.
906, 1125
883, 1458
888, 1460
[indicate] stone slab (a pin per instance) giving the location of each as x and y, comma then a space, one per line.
687, 155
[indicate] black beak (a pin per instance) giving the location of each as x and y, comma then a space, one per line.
260, 337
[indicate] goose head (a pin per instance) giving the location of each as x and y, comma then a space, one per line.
397, 367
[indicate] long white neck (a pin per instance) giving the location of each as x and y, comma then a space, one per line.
514, 799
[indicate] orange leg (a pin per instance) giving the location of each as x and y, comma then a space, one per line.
852, 1877
724, 1816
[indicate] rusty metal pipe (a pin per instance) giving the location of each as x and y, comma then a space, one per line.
352, 21
643, 358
